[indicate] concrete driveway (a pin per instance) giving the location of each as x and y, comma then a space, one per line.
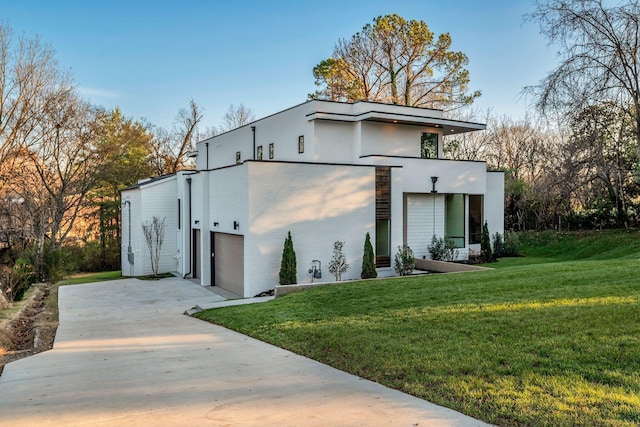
126, 355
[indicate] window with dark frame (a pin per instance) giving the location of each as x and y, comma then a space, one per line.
429, 145
301, 144
179, 215
271, 151
259, 152
476, 203
383, 216
237, 157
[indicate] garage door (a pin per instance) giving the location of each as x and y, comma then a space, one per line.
228, 261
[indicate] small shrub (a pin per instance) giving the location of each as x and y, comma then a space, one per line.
485, 243
288, 268
16, 280
498, 245
368, 260
338, 264
442, 249
404, 261
511, 244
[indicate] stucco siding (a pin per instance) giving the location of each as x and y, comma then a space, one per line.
156, 199
322, 204
333, 142
391, 139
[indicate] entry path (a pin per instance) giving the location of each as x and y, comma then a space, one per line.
126, 355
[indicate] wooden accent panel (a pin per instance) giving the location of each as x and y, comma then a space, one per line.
383, 261
383, 192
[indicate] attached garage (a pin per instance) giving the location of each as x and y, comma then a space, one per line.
227, 251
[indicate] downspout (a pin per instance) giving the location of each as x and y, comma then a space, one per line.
253, 129
190, 230
206, 144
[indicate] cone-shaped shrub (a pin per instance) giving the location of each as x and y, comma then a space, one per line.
288, 270
368, 260
485, 242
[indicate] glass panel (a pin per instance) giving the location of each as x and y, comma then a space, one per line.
454, 219
475, 218
383, 238
429, 146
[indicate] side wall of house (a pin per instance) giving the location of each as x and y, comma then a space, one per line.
156, 199
319, 204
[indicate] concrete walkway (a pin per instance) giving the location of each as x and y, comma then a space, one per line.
126, 355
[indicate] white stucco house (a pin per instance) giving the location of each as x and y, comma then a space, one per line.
325, 171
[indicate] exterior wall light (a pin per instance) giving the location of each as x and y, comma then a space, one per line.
236, 225
434, 179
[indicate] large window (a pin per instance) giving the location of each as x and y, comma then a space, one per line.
475, 218
429, 145
454, 219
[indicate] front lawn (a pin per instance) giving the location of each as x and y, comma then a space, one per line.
554, 343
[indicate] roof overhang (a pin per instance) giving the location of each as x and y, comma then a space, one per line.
449, 127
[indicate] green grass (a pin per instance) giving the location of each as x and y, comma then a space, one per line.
547, 339
78, 279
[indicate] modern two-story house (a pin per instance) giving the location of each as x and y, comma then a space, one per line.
325, 171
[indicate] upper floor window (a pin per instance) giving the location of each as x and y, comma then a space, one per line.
301, 144
259, 152
429, 145
238, 161
271, 151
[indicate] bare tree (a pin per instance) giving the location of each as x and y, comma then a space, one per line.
237, 116
169, 150
154, 236
598, 51
29, 80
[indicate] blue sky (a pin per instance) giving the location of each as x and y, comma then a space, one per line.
151, 57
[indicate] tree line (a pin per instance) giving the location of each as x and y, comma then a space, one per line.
64, 160
573, 162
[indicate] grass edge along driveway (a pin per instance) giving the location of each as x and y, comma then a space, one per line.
554, 343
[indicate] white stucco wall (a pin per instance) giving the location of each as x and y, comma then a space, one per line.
453, 176
333, 142
319, 204
392, 139
154, 199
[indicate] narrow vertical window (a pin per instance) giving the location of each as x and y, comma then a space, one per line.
179, 215
429, 145
301, 144
259, 152
271, 151
383, 216
237, 157
475, 218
